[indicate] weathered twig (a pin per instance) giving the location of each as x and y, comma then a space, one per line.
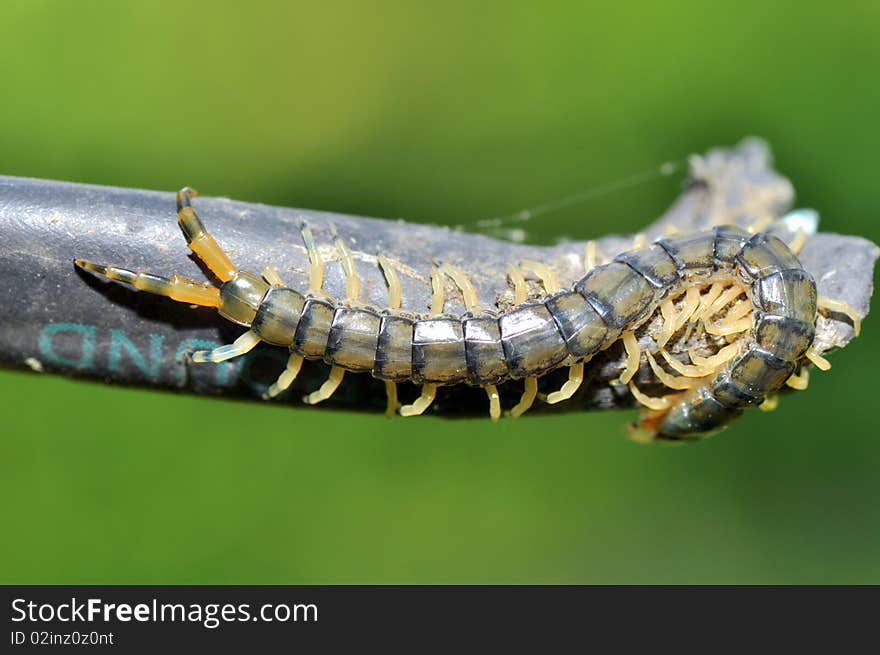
56, 319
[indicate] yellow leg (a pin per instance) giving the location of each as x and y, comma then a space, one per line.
316, 264
244, 344
730, 328
438, 292
691, 325
352, 281
740, 309
840, 307
770, 403
798, 242
177, 288
549, 279
633, 356
527, 398
199, 240
667, 310
575, 379
696, 329
706, 301
288, 375
736, 320
494, 402
724, 300
270, 274
394, 291
691, 303
695, 371
760, 225
520, 289
393, 404
657, 404
712, 363
591, 258
671, 381
331, 384
420, 404
468, 293
821, 363
800, 381
639, 434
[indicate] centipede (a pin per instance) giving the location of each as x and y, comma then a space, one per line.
742, 289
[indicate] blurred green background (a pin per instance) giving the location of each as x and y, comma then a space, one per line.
444, 114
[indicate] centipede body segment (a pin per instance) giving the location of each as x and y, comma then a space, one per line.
747, 290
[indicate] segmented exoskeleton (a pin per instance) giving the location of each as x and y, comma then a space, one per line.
745, 288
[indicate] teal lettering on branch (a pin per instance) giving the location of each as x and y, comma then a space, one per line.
119, 342
86, 335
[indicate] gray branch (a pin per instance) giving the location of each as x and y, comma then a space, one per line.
56, 319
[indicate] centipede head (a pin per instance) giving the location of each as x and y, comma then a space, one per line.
692, 417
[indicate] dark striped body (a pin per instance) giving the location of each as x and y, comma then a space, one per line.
537, 336
785, 301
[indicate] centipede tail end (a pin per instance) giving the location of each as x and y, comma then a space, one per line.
177, 288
